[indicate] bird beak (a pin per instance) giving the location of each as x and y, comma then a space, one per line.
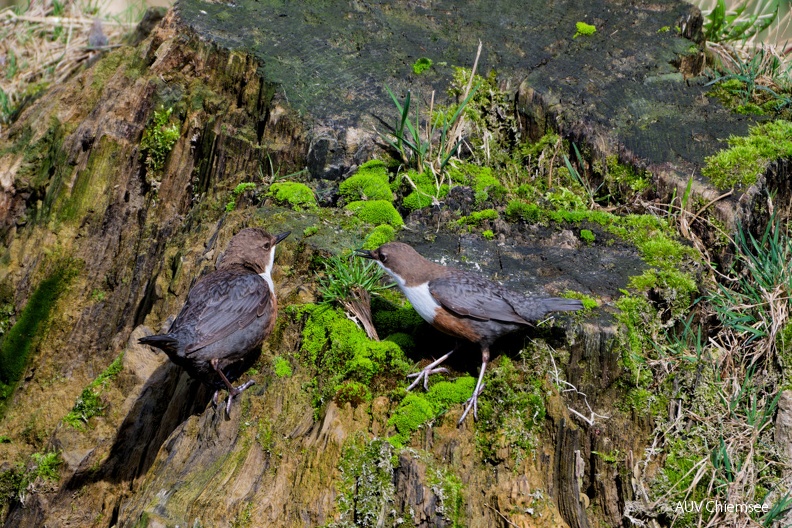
279, 238
365, 253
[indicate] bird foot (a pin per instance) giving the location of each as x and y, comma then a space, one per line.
214, 399
472, 403
424, 374
235, 391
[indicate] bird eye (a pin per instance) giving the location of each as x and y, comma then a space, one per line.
383, 257
266, 245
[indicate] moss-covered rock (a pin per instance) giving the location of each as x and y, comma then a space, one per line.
370, 182
297, 195
424, 190
376, 212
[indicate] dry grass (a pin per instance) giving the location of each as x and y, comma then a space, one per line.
48, 42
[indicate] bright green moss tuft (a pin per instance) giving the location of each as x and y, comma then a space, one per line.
370, 182
477, 217
281, 367
421, 65
484, 184
587, 236
341, 351
298, 195
519, 210
748, 157
158, 139
589, 303
379, 235
416, 409
376, 212
425, 190
584, 29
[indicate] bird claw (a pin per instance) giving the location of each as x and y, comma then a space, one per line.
472, 403
235, 392
424, 374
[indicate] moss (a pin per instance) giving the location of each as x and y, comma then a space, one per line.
235, 194
310, 231
366, 486
158, 139
583, 29
352, 392
510, 411
488, 234
425, 191
43, 165
379, 235
589, 303
449, 490
748, 157
281, 367
90, 194
376, 212
476, 218
395, 318
416, 409
342, 352
405, 341
421, 65
90, 404
520, 210
622, 180
486, 187
21, 339
297, 195
370, 182
587, 236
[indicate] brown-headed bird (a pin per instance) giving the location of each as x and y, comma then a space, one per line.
462, 304
217, 335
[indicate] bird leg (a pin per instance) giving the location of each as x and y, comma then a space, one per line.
428, 370
232, 391
473, 401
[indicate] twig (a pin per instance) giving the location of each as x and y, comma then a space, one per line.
501, 515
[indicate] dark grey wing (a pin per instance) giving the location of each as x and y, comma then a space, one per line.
221, 303
475, 297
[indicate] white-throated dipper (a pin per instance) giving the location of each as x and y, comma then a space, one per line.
462, 304
217, 335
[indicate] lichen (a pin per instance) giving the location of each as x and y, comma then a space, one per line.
370, 182
748, 156
297, 195
365, 486
376, 212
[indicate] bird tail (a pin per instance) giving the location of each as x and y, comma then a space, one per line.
164, 342
559, 304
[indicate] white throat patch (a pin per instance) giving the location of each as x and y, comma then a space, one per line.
267, 275
419, 296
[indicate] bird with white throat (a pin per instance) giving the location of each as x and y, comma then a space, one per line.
462, 304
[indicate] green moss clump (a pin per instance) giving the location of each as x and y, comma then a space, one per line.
425, 191
20, 340
484, 184
421, 65
620, 179
477, 217
352, 392
379, 235
587, 236
389, 319
341, 352
748, 157
281, 367
370, 182
89, 404
405, 341
376, 212
416, 409
238, 190
488, 234
584, 29
297, 195
520, 210
158, 139
510, 411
